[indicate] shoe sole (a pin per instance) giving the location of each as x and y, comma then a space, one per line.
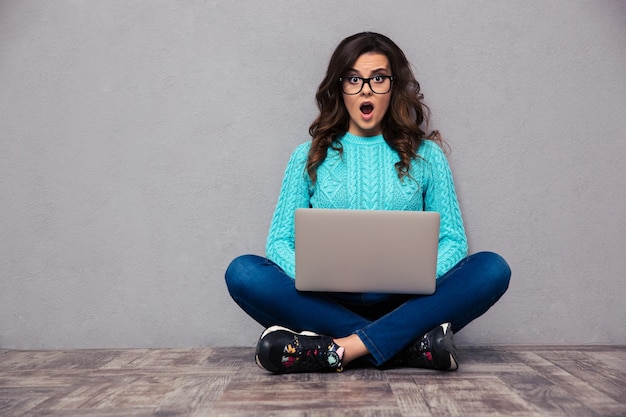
276, 329
279, 328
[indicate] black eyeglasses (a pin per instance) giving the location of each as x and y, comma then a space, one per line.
379, 84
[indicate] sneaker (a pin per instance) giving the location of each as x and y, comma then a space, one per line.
435, 350
284, 351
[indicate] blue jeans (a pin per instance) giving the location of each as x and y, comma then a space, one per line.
386, 323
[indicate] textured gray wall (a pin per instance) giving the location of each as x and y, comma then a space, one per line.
142, 146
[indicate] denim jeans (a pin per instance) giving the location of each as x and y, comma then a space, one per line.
386, 323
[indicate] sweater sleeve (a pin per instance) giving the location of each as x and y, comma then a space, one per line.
294, 193
440, 196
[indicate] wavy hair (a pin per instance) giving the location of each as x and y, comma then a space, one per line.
400, 125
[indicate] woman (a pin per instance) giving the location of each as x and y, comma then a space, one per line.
369, 152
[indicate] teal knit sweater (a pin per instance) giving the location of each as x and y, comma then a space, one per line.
365, 178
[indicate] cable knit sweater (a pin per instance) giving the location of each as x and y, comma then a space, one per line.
365, 178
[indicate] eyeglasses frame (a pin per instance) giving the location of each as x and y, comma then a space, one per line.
367, 81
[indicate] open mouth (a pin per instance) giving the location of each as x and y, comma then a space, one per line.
366, 108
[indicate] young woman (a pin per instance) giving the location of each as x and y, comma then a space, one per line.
369, 152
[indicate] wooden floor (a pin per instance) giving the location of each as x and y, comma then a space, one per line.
491, 381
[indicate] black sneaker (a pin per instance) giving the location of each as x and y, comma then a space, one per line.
284, 351
435, 350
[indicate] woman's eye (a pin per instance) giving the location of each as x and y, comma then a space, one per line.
378, 78
354, 80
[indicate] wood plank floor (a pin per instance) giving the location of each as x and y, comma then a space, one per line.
492, 381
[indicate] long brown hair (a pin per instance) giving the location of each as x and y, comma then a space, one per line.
401, 124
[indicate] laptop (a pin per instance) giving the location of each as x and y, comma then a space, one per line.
366, 251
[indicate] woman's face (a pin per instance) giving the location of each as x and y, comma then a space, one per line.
367, 109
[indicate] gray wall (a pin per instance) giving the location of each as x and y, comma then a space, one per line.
142, 146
